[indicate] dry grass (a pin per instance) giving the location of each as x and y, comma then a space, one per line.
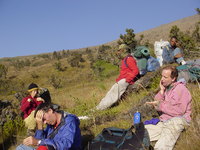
189, 139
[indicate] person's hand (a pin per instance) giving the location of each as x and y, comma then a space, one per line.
39, 119
162, 88
155, 104
30, 141
29, 100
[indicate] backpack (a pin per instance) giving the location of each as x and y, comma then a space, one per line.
141, 64
190, 72
141, 53
158, 50
152, 64
121, 139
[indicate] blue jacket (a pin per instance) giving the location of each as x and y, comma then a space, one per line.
66, 136
169, 54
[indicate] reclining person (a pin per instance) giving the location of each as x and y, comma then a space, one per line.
61, 133
128, 73
174, 102
172, 53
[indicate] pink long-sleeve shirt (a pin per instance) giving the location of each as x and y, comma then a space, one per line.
175, 102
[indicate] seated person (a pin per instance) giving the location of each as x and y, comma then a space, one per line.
28, 106
128, 73
173, 101
61, 133
172, 53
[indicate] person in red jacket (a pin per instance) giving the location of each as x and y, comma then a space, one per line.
128, 73
28, 106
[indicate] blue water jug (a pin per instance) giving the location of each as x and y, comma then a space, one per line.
137, 118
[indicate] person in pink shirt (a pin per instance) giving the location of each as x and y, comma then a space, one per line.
173, 101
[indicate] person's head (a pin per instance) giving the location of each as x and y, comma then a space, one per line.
50, 112
33, 89
169, 75
173, 41
122, 51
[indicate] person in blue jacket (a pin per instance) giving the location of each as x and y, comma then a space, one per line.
172, 53
61, 133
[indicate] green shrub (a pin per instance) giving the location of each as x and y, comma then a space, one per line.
104, 69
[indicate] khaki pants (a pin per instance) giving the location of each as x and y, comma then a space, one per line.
113, 95
166, 133
30, 122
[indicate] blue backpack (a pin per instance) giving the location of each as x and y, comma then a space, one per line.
152, 64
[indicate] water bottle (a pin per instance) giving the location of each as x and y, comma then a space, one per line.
137, 119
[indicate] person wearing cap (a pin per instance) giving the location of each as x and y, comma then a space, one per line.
128, 73
62, 130
172, 53
28, 106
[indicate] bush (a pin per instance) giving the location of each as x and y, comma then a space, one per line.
55, 81
76, 59
3, 71
19, 64
58, 66
104, 69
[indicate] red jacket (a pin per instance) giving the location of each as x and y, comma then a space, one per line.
29, 104
128, 69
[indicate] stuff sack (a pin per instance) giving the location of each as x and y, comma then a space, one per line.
121, 139
141, 52
152, 64
190, 72
158, 50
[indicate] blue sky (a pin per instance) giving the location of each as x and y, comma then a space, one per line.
38, 26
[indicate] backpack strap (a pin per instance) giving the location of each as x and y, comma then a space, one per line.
125, 60
52, 134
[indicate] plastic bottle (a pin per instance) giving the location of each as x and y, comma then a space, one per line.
137, 119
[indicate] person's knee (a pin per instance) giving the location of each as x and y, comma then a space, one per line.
20, 147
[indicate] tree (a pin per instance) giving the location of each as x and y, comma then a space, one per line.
198, 11
56, 55
128, 39
174, 31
